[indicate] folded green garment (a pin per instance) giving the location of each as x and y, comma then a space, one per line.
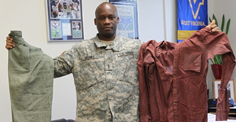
31, 75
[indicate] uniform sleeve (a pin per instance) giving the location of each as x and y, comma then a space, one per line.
218, 43
63, 64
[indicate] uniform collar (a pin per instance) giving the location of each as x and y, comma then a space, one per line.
115, 45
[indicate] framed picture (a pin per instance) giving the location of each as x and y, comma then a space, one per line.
64, 20
230, 88
127, 12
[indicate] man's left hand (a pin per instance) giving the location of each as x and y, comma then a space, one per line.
213, 27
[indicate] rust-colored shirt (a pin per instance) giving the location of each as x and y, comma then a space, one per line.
172, 78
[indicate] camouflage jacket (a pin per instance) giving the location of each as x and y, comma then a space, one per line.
106, 79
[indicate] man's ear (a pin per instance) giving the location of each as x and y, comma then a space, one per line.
118, 19
95, 21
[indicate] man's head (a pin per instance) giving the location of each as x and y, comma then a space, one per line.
106, 21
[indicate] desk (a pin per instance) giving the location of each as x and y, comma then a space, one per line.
212, 118
232, 113
213, 109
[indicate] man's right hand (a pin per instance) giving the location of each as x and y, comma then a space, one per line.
9, 43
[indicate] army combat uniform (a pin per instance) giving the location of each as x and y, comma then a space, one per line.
105, 77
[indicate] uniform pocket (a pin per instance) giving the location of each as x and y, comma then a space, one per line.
126, 64
91, 71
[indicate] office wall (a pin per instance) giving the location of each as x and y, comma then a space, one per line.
29, 16
157, 20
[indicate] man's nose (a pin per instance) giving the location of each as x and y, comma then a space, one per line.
107, 21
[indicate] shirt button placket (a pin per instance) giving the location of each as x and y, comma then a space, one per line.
175, 99
108, 65
175, 86
108, 62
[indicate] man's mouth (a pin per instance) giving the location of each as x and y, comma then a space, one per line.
107, 28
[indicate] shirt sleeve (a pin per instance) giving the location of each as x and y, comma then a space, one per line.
218, 43
143, 88
63, 64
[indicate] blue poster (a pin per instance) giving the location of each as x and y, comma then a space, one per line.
191, 16
127, 12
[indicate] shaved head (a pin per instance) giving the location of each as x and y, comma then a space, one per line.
106, 5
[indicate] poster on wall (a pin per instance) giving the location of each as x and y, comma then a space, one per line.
127, 12
65, 20
192, 16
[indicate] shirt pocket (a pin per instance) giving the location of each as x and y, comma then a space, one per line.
126, 64
192, 62
91, 71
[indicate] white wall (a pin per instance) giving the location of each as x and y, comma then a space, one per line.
29, 16
157, 20
170, 11
149, 22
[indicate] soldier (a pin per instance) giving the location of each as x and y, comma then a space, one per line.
104, 70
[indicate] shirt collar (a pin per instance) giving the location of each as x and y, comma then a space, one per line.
115, 45
166, 45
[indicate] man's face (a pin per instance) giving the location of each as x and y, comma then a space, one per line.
106, 21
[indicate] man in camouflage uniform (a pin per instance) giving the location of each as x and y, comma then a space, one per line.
104, 70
